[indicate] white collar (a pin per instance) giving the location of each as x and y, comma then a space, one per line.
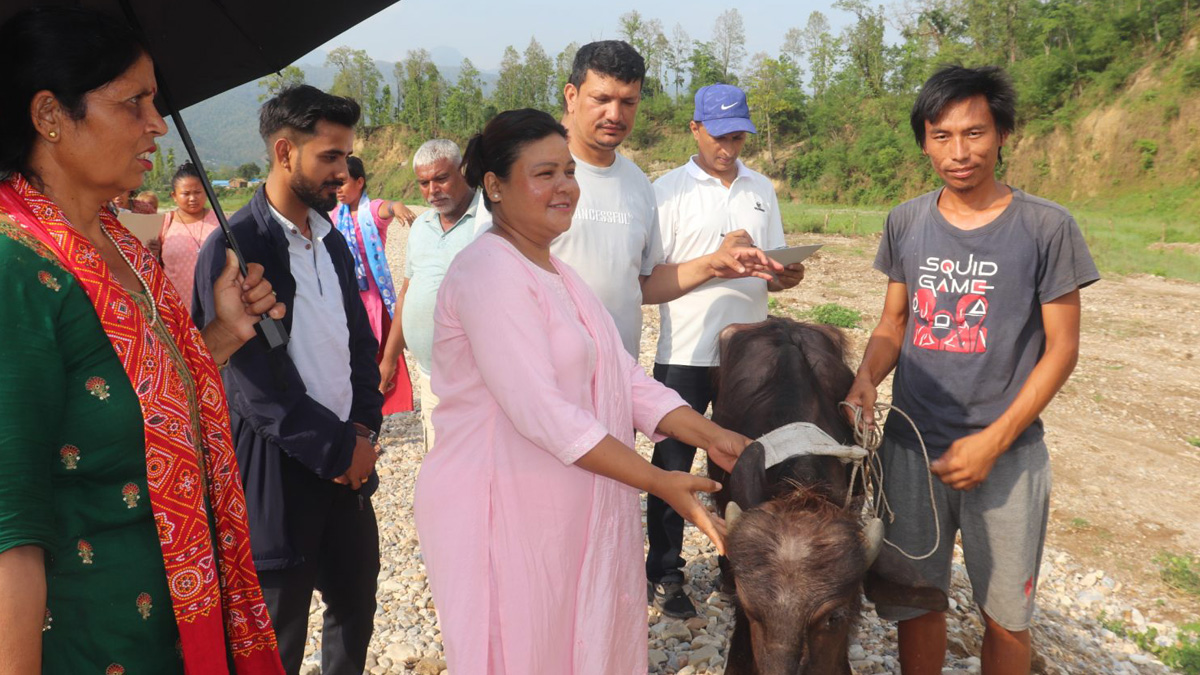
698, 173
318, 226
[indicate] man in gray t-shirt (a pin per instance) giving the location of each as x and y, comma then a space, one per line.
981, 323
975, 330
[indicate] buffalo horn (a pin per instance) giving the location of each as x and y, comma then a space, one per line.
732, 513
873, 536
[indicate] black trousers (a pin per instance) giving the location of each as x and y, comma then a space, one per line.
664, 527
339, 539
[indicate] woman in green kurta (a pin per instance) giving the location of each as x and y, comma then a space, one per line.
123, 544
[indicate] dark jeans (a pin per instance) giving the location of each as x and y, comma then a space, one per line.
340, 545
664, 527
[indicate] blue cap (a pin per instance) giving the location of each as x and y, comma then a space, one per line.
723, 110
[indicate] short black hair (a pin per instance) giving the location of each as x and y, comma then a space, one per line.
69, 51
300, 108
956, 83
614, 58
496, 148
356, 170
185, 170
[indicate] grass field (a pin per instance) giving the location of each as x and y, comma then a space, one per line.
1124, 236
1131, 235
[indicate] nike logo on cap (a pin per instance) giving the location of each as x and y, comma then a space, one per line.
727, 107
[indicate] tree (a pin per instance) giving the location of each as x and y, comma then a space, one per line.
630, 26
536, 78
357, 78
508, 85
464, 110
773, 89
249, 171
678, 50
564, 63
421, 92
384, 111
864, 43
646, 36
729, 43
704, 68
157, 177
274, 83
821, 48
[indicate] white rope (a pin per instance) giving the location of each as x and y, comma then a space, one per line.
870, 438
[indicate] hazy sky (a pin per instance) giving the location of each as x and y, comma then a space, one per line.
480, 30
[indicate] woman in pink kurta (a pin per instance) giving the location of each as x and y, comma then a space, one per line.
527, 506
184, 230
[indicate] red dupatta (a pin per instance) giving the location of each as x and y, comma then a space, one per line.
216, 597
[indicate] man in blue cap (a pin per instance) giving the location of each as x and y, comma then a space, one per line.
699, 203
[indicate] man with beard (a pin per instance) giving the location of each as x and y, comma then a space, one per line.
305, 418
436, 237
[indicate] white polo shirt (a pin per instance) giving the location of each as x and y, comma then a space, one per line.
319, 344
613, 240
694, 211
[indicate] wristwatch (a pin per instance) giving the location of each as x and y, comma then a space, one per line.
371, 436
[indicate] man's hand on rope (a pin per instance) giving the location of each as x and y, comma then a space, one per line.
969, 460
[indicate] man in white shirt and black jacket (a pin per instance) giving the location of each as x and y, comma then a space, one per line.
304, 418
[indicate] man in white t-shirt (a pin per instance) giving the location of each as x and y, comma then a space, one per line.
699, 204
614, 238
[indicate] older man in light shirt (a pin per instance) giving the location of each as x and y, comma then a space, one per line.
437, 236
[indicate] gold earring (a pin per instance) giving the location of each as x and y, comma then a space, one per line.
53, 134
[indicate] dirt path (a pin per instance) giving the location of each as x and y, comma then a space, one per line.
1126, 478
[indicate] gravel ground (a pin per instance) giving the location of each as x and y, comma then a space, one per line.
1068, 636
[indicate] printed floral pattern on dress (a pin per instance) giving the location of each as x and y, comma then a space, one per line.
132, 493
97, 387
46, 620
143, 605
85, 551
70, 456
49, 281
115, 669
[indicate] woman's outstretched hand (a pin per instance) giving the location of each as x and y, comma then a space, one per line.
680, 490
726, 447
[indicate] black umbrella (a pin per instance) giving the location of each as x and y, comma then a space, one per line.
248, 39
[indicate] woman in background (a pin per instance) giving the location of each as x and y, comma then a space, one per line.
184, 230
364, 222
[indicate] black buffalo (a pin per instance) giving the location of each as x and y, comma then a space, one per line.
797, 555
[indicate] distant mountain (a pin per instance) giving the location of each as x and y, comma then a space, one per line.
444, 57
225, 127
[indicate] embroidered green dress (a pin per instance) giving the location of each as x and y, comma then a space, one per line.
73, 473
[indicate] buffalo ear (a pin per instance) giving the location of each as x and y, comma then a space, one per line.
748, 482
892, 580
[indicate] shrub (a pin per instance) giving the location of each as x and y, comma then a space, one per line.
835, 315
